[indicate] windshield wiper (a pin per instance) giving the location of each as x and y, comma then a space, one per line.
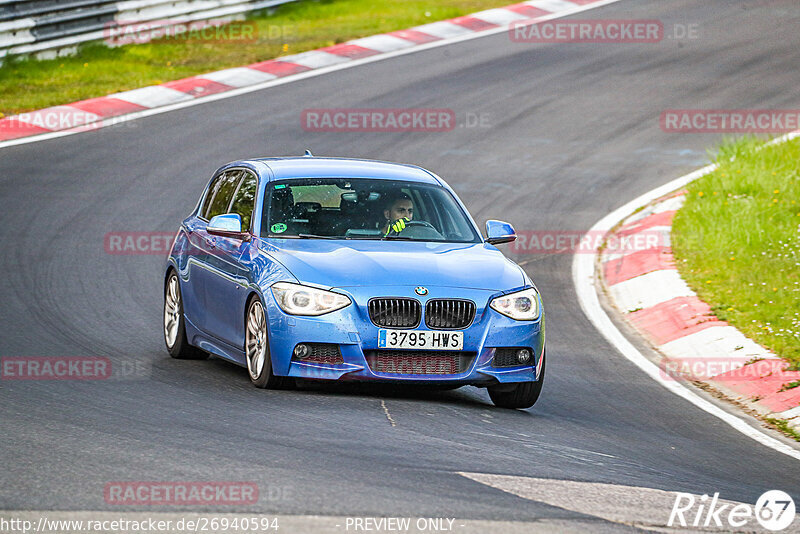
302, 236
314, 236
371, 237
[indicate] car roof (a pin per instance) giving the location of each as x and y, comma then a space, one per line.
314, 167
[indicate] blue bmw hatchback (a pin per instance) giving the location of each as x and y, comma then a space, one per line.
348, 269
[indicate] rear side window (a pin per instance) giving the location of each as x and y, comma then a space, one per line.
244, 199
220, 193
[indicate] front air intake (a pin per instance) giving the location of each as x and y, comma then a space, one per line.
419, 362
449, 314
397, 312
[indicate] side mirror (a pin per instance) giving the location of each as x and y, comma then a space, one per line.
499, 232
228, 225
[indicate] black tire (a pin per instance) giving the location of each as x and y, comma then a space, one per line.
261, 374
523, 395
180, 348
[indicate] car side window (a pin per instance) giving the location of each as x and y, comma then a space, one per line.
244, 200
220, 194
210, 195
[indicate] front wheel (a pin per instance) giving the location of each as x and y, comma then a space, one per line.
522, 395
259, 364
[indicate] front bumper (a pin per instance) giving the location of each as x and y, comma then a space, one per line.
352, 330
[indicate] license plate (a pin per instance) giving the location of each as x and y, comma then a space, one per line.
420, 339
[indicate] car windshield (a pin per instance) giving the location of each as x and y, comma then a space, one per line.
358, 208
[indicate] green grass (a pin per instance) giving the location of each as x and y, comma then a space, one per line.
784, 427
27, 84
737, 242
790, 385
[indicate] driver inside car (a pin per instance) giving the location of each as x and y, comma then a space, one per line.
399, 210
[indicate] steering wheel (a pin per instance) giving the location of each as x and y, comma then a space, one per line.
409, 224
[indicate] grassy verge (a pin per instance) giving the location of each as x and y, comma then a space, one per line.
737, 242
97, 70
784, 427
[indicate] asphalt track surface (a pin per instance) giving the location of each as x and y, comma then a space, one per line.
572, 134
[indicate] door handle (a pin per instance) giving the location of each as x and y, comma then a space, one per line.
211, 242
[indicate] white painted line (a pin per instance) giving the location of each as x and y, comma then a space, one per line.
674, 203
584, 278
383, 43
717, 342
443, 29
612, 502
790, 413
297, 77
551, 5
52, 118
153, 96
238, 77
14, 38
647, 239
649, 289
638, 216
671, 204
499, 16
315, 59
17, 25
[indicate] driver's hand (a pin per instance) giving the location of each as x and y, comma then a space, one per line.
399, 225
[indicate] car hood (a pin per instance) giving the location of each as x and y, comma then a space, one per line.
353, 263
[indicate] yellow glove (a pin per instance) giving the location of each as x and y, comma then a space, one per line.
398, 226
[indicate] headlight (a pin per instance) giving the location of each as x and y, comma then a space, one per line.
522, 305
295, 299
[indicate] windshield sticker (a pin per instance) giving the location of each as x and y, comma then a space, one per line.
278, 228
280, 186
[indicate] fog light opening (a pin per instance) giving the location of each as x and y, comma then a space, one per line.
523, 355
301, 351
